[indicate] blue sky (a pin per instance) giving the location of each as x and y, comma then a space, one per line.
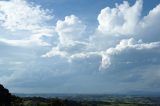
68, 46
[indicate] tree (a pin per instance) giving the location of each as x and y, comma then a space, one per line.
5, 96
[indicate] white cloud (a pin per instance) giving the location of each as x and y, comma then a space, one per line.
24, 43
128, 20
69, 30
152, 18
148, 28
115, 24
20, 15
56, 52
121, 20
71, 37
127, 45
30, 21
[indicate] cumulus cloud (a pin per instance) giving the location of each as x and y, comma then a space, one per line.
116, 24
70, 29
148, 28
121, 20
71, 35
128, 45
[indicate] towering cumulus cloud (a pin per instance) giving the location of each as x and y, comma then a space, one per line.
70, 30
121, 20
40, 51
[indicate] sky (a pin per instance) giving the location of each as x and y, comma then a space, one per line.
80, 46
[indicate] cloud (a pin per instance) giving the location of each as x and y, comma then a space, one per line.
24, 43
71, 37
21, 15
55, 52
110, 25
69, 30
127, 20
110, 58
25, 25
129, 45
121, 20
148, 28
